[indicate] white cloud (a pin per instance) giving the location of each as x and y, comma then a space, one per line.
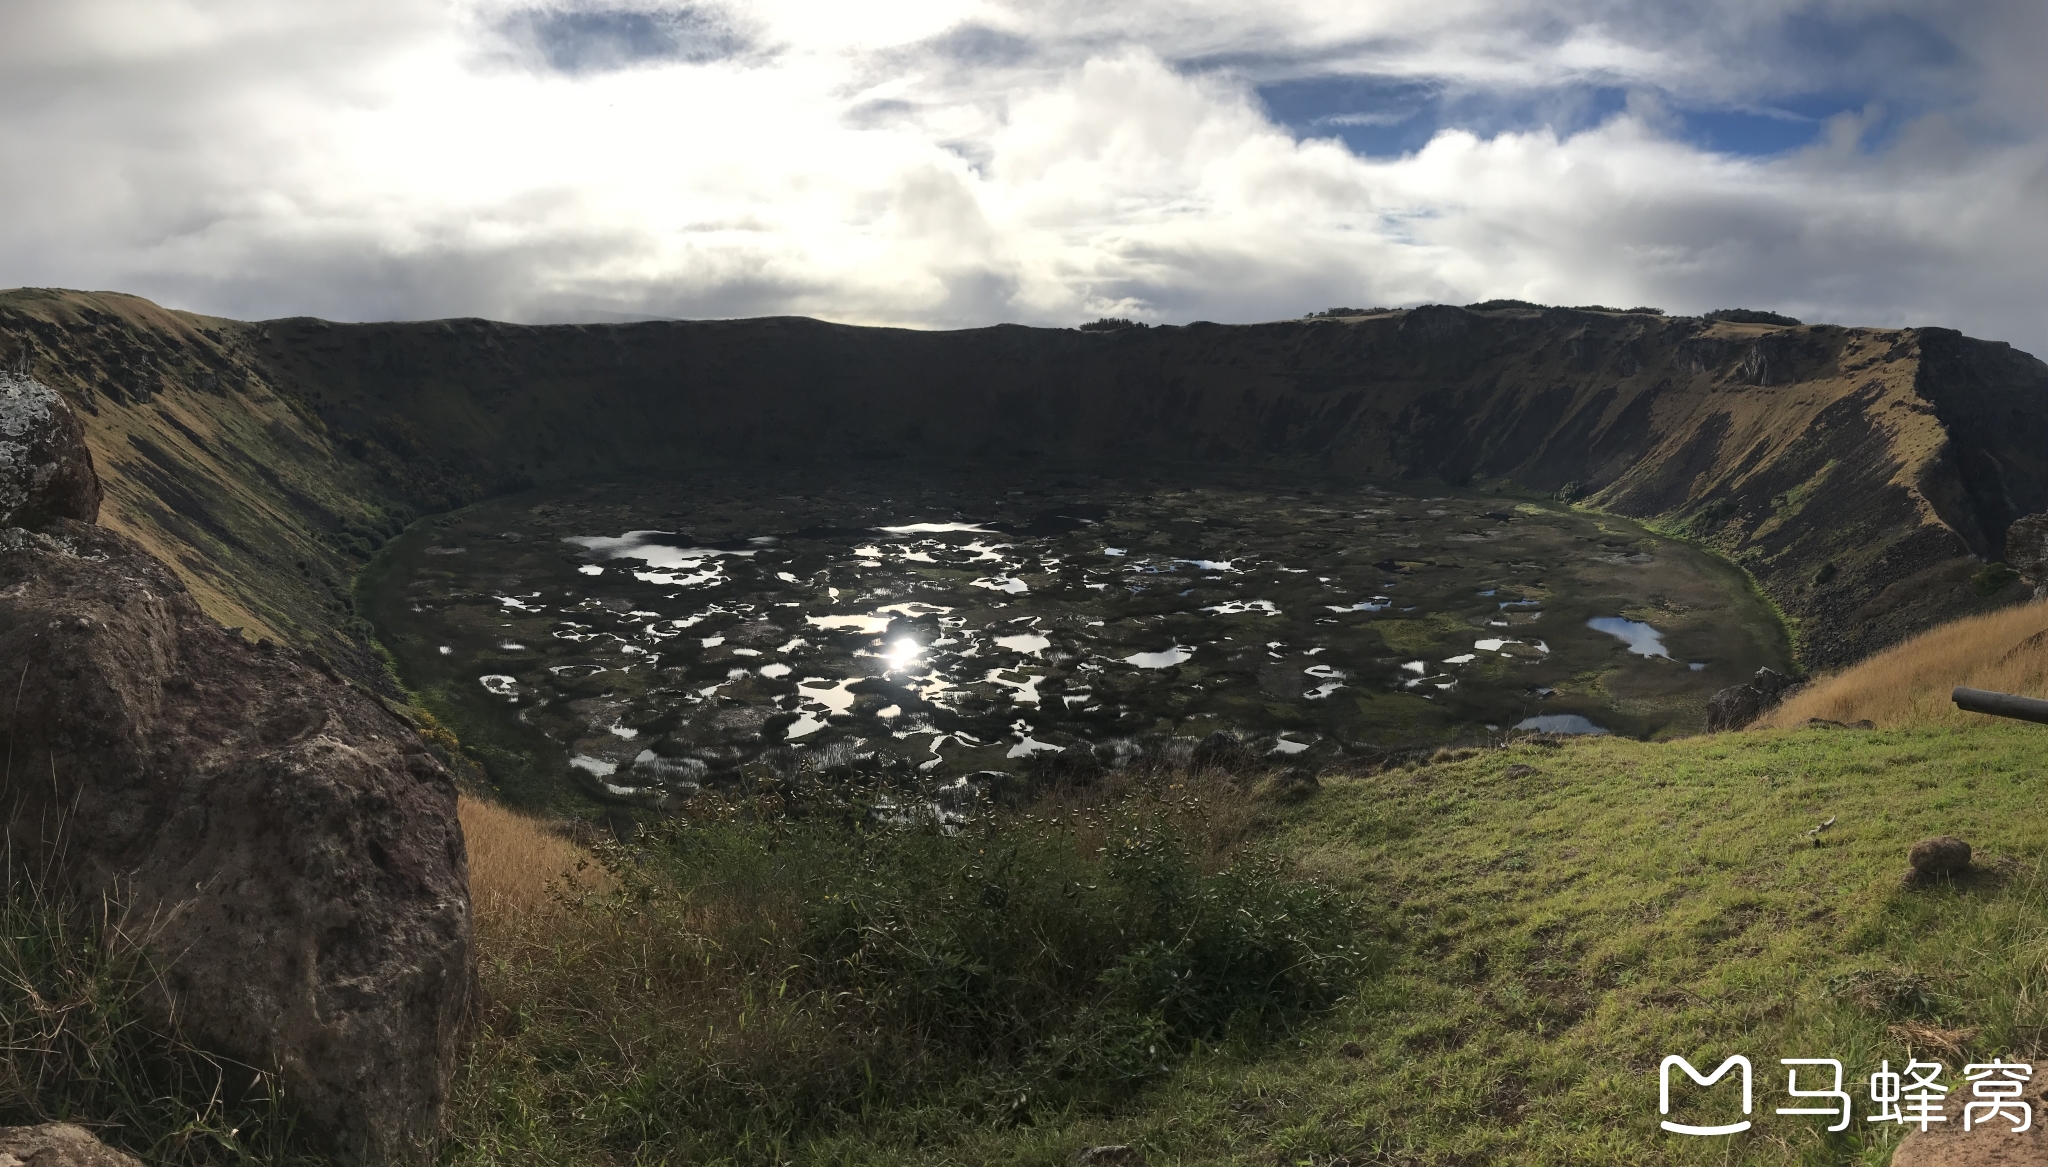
962, 163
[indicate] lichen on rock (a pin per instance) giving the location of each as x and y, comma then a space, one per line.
58, 1144
46, 471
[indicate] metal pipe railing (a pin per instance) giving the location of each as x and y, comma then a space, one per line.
2001, 704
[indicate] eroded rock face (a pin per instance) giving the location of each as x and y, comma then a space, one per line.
58, 1144
2026, 551
1738, 705
292, 842
46, 471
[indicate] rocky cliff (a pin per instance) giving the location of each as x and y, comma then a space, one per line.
1863, 476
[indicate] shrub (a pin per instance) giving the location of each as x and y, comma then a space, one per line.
1710, 517
1497, 305
1111, 324
748, 985
1992, 579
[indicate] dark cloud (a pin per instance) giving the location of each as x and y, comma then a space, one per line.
978, 44
585, 40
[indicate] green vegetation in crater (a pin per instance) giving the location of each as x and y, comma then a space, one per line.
1504, 943
639, 676
1550, 921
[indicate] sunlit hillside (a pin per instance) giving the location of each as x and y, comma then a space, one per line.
518, 869
1909, 684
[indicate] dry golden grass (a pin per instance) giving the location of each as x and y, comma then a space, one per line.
1908, 684
517, 866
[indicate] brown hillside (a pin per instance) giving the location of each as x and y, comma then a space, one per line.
1861, 475
1909, 684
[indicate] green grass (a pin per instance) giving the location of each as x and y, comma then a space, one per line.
1560, 932
1520, 949
834, 988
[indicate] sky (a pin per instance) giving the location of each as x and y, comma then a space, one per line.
956, 163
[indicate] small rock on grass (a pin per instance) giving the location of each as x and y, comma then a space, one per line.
58, 1144
1936, 857
1113, 1155
1289, 785
1221, 750
1351, 1049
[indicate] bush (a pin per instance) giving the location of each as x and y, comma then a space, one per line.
1111, 324
1709, 518
1497, 305
1750, 316
749, 986
1336, 313
1992, 579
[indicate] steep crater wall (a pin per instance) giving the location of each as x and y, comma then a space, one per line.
1863, 476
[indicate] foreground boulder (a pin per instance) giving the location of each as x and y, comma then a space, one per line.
45, 469
283, 843
58, 1144
1738, 705
1990, 1143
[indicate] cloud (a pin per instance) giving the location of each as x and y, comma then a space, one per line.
597, 39
969, 161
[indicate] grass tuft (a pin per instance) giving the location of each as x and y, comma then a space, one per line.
80, 1042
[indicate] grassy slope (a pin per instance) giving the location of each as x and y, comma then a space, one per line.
233, 483
1909, 684
1558, 932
